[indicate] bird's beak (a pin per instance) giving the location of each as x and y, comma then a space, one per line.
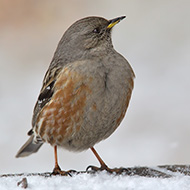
114, 21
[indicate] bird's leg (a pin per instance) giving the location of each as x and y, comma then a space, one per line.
102, 163
57, 170
103, 166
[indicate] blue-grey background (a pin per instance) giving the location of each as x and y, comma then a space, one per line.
155, 38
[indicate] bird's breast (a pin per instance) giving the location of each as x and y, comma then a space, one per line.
88, 103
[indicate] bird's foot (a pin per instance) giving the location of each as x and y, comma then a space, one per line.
106, 168
57, 171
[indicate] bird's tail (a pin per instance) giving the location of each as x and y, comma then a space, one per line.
28, 148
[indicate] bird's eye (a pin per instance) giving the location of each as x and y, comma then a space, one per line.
96, 30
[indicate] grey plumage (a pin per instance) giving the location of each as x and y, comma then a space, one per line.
28, 148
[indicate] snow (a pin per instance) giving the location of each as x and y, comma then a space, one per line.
99, 181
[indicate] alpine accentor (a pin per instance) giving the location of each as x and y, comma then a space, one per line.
85, 94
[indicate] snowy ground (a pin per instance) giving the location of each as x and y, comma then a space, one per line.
100, 181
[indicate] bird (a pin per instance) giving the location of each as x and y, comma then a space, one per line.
85, 92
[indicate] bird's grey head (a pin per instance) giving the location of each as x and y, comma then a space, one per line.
90, 34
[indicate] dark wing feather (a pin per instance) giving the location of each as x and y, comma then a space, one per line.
46, 92
46, 95
43, 99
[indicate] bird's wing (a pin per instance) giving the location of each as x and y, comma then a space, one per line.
46, 92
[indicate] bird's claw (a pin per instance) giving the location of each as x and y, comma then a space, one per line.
57, 171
